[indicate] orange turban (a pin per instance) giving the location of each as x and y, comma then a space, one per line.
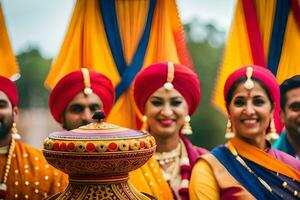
80, 81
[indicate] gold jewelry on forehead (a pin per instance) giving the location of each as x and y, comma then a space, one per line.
249, 84
87, 81
170, 77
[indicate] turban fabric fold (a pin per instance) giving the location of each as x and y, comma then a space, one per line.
267, 78
72, 84
10, 89
185, 81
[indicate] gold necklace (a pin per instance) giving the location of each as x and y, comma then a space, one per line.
3, 186
167, 157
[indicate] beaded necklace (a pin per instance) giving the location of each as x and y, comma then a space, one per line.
180, 159
169, 161
3, 186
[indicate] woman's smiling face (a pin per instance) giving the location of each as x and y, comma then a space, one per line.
250, 111
165, 111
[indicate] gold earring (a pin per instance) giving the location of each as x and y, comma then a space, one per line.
14, 132
187, 129
229, 133
272, 134
144, 125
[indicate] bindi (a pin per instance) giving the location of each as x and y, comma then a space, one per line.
249, 93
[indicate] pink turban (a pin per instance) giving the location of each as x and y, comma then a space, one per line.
267, 78
185, 81
72, 84
10, 89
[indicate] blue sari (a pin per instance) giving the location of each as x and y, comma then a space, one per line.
251, 182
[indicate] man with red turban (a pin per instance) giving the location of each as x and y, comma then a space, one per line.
25, 173
167, 94
78, 95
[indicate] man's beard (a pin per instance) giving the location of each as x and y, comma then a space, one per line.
5, 128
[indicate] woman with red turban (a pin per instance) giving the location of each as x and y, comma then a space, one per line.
167, 95
247, 167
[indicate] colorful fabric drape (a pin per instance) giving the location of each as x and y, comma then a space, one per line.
8, 64
118, 38
265, 33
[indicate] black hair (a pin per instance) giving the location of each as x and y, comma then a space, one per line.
287, 85
229, 96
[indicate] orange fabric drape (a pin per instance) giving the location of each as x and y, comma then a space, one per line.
86, 45
237, 53
8, 64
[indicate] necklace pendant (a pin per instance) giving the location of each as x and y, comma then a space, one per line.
3, 189
161, 162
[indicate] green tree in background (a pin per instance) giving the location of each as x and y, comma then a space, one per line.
206, 45
34, 68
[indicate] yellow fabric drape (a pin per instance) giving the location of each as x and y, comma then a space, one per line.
162, 45
8, 64
86, 45
265, 11
289, 64
131, 24
237, 53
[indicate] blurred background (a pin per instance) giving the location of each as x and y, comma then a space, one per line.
37, 28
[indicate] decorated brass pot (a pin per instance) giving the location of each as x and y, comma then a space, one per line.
97, 157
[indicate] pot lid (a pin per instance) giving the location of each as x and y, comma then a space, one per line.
99, 136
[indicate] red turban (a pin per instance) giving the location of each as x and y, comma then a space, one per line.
10, 89
267, 78
185, 81
72, 84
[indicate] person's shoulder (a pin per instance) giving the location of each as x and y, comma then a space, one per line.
38, 170
286, 158
283, 145
201, 150
27, 147
189, 145
29, 152
280, 142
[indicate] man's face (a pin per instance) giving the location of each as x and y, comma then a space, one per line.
80, 110
291, 113
7, 113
